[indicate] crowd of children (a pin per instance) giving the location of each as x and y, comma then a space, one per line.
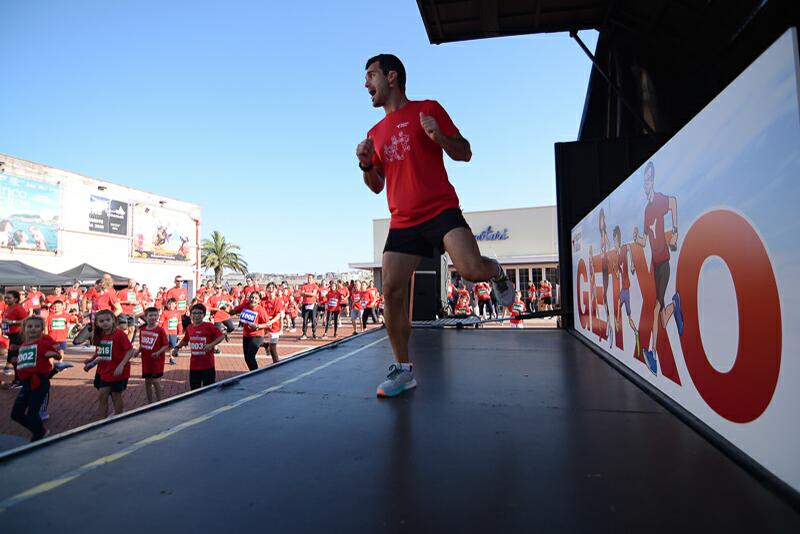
121, 324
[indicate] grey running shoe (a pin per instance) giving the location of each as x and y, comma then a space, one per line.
504, 289
397, 381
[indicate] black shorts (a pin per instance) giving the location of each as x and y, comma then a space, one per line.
116, 387
201, 377
425, 239
661, 276
152, 375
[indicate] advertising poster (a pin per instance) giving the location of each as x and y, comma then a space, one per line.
689, 272
29, 214
108, 216
162, 234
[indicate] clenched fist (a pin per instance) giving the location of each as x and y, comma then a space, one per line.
430, 126
364, 151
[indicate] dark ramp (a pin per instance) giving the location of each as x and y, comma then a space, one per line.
509, 431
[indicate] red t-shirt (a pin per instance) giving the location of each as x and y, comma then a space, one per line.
180, 295
106, 301
261, 318
17, 312
517, 308
151, 341
322, 296
128, 299
654, 227
372, 295
249, 289
358, 300
198, 337
58, 326
171, 322
50, 299
334, 301
545, 290
111, 351
216, 303
532, 292
417, 187
273, 308
483, 290
344, 295
463, 293
73, 295
36, 298
309, 288
462, 308
32, 360
450, 289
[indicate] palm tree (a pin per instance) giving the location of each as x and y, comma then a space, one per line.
218, 254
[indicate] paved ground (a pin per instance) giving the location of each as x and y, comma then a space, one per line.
73, 399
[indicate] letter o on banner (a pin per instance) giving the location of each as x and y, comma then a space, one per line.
742, 394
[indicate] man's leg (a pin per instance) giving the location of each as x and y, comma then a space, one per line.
396, 271
467, 260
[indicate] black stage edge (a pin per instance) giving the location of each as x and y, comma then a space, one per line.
762, 475
508, 431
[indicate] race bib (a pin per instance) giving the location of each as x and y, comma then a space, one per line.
138, 310
182, 305
5, 327
172, 323
364, 303
248, 317
332, 303
104, 350
58, 324
35, 301
27, 357
309, 306
197, 346
518, 308
483, 291
148, 340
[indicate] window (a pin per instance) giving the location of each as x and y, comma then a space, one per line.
537, 275
552, 275
524, 277
512, 275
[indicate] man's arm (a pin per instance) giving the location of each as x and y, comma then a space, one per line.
673, 208
455, 146
373, 178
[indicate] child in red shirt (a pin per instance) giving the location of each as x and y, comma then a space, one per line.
33, 368
112, 357
516, 309
153, 345
273, 306
171, 323
13, 315
202, 338
58, 326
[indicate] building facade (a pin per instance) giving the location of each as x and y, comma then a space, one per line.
523, 240
54, 219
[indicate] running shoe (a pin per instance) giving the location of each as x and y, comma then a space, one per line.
8, 371
504, 289
301, 338
650, 358
397, 381
676, 300
16, 384
43, 415
60, 366
172, 360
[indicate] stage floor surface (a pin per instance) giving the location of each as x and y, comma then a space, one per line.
508, 431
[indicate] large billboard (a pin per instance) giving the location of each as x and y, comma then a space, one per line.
29, 214
689, 272
162, 234
108, 216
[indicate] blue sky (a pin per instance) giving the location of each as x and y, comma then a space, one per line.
254, 109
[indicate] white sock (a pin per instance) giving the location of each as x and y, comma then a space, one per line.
406, 366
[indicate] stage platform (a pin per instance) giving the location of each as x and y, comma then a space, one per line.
508, 431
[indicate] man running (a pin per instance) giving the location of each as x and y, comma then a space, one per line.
404, 153
658, 206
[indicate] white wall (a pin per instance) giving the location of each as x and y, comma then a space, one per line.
104, 251
530, 231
